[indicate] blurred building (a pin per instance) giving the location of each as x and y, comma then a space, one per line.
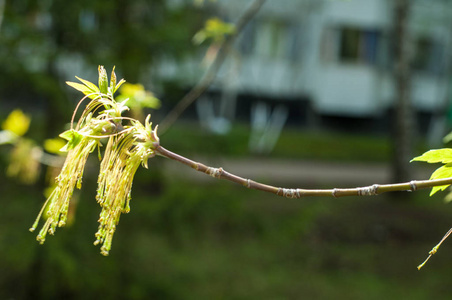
332, 57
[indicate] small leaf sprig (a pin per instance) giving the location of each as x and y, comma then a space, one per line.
438, 156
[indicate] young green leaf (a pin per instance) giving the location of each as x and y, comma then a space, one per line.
73, 139
118, 85
103, 80
87, 88
436, 156
89, 84
440, 173
113, 80
79, 87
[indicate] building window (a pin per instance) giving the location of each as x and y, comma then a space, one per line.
359, 46
349, 47
352, 45
429, 56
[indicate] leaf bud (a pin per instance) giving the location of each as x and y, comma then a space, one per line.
103, 80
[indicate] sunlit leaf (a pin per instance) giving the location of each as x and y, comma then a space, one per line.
73, 139
113, 80
436, 156
87, 88
17, 122
441, 173
79, 87
438, 188
89, 84
119, 84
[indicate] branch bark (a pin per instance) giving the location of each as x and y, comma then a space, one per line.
370, 190
214, 67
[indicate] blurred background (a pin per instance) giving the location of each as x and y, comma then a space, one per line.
311, 94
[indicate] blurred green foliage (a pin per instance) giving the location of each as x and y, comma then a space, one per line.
40, 40
215, 30
17, 122
186, 240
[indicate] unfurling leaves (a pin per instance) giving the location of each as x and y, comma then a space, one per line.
92, 91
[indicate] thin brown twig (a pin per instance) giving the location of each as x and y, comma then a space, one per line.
214, 67
370, 190
435, 249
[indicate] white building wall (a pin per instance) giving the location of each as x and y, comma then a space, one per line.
334, 86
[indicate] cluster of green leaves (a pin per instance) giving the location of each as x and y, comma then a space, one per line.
438, 156
443, 156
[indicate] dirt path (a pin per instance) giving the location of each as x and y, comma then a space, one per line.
299, 173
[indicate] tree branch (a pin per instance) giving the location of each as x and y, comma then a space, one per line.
370, 190
214, 67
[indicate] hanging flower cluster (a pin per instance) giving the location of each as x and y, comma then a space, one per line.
123, 156
128, 146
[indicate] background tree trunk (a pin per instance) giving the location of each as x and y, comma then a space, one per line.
403, 131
